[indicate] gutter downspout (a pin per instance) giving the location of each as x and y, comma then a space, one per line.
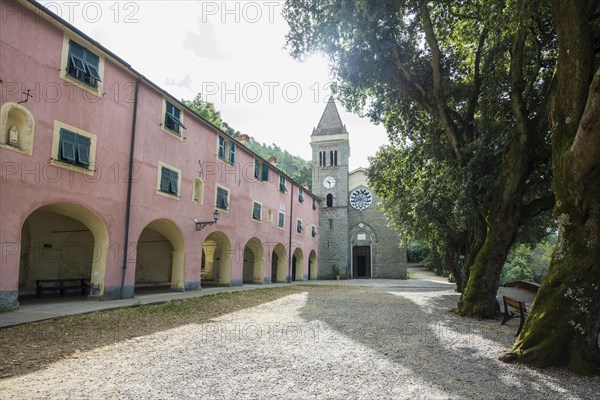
129, 185
290, 242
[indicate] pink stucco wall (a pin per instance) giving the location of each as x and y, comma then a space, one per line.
30, 50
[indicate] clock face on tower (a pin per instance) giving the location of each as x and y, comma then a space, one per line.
329, 182
361, 199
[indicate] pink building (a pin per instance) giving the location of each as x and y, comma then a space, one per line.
72, 209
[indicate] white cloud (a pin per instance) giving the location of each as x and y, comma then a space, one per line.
204, 42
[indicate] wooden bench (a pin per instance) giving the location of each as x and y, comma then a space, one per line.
61, 286
518, 306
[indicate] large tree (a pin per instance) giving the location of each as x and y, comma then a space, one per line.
563, 327
480, 70
424, 197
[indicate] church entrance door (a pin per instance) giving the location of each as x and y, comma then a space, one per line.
361, 261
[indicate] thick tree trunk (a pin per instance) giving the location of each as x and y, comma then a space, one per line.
477, 234
452, 262
456, 247
479, 297
504, 216
564, 324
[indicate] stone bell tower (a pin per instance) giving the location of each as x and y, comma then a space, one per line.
330, 155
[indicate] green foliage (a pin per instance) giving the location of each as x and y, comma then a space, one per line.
207, 110
417, 251
335, 269
297, 168
528, 263
438, 76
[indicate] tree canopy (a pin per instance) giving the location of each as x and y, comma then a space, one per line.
466, 91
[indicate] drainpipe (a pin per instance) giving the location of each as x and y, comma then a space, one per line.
129, 184
290, 243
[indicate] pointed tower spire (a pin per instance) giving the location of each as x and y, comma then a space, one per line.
330, 122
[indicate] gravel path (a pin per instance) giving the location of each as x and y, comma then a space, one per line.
357, 343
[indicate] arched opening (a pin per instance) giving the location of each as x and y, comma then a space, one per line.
216, 263
64, 250
362, 240
278, 264
160, 257
313, 268
298, 265
254, 262
329, 200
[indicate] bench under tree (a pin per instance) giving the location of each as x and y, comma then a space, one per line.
514, 308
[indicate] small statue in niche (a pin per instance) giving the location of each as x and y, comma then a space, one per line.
13, 136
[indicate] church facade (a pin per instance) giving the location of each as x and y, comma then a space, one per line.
354, 235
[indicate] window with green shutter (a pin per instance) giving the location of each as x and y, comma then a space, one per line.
261, 170
232, 153
281, 220
300, 196
221, 153
83, 65
173, 118
257, 171
222, 198
314, 204
299, 226
282, 187
314, 231
169, 181
257, 211
74, 148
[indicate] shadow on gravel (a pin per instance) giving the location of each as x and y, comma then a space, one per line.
415, 329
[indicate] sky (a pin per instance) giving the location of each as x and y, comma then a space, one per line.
233, 53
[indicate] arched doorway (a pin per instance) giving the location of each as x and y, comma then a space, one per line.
216, 266
254, 262
362, 238
298, 265
278, 264
64, 249
160, 257
313, 268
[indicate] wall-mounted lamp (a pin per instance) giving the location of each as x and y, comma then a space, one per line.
200, 225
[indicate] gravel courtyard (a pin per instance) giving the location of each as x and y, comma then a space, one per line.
358, 343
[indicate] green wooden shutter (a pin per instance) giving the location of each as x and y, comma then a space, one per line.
221, 147
222, 198
66, 146
282, 187
314, 204
232, 152
91, 63
165, 179
265, 171
256, 169
174, 181
77, 57
256, 211
83, 150
225, 202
